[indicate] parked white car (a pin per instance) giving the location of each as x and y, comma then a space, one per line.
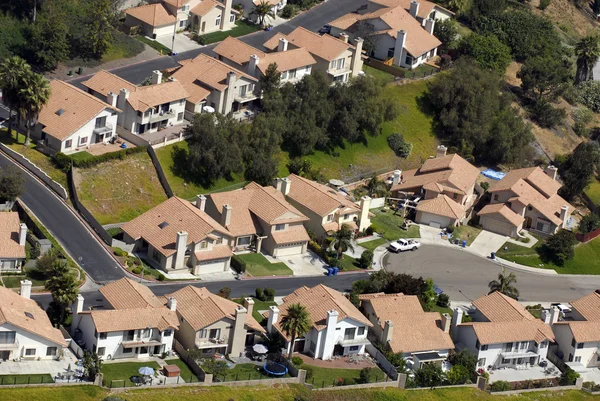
404, 245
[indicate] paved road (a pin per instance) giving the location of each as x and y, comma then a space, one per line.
67, 229
312, 20
282, 286
464, 276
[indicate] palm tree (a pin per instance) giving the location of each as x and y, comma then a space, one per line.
13, 71
295, 323
505, 285
587, 51
262, 11
342, 240
376, 187
33, 98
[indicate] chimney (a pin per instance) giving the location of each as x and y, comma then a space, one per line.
399, 48
22, 234
441, 151
112, 98
282, 46
429, 25
331, 335
273, 318
414, 8
201, 202
365, 205
226, 215
396, 177
388, 332
156, 77
249, 305
285, 187
344, 36
564, 215
546, 316
26, 289
180, 246
226, 14
551, 171
238, 338
79, 304
356, 57
554, 314
277, 183
122, 104
457, 315
446, 322
172, 304
252, 64
230, 93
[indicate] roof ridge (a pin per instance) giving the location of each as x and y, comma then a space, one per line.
512, 304
318, 186
272, 196
202, 55
86, 94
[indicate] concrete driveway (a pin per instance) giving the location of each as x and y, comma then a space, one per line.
182, 42
487, 242
306, 264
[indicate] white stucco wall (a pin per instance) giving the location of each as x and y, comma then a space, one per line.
26, 340
87, 131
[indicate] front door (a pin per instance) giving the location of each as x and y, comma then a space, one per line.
99, 138
249, 339
203, 27
529, 222
4, 355
338, 350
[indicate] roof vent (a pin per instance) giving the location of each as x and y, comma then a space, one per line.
163, 224
29, 315
59, 112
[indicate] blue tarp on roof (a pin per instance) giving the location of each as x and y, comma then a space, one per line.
493, 174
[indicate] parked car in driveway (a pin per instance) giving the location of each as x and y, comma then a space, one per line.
404, 245
564, 309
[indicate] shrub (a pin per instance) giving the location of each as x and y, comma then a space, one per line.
297, 361
560, 246
370, 230
119, 252
225, 292
546, 115
366, 259
500, 385
238, 265
269, 294
443, 300
485, 186
582, 117
289, 11
258, 293
63, 161
136, 270
400, 147
568, 377
458, 375
589, 94
588, 223
544, 4
365, 375
161, 277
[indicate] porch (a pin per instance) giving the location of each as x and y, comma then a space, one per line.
45, 366
524, 372
101, 148
341, 362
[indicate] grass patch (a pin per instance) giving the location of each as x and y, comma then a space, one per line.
245, 371
371, 245
186, 372
119, 374
123, 46
258, 265
593, 191
81, 156
258, 306
326, 377
159, 47
241, 28
388, 225
466, 232
15, 281
441, 310
382, 76
113, 232
184, 184
349, 264
16, 142
119, 190
25, 379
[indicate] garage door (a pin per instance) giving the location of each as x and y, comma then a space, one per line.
497, 226
433, 220
210, 266
289, 250
164, 30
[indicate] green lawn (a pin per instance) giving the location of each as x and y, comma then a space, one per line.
371, 245
326, 377
120, 373
388, 225
15, 281
593, 191
242, 28
81, 156
466, 233
186, 372
378, 74
181, 181
159, 47
245, 371
261, 305
349, 264
437, 308
25, 379
123, 46
258, 265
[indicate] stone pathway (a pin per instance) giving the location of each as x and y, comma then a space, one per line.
530, 244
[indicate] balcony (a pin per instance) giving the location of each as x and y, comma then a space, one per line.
335, 72
246, 97
103, 130
348, 342
161, 116
146, 342
9, 346
211, 342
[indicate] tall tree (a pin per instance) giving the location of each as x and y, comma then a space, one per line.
12, 183
342, 240
505, 284
587, 52
261, 154
577, 171
32, 99
97, 33
376, 187
271, 79
63, 287
50, 35
13, 74
446, 31
544, 77
295, 323
262, 11
487, 50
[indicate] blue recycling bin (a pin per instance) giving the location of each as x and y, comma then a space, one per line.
335, 271
464, 243
329, 271
493, 255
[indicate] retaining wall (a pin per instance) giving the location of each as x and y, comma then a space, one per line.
131, 137
382, 360
589, 236
159, 171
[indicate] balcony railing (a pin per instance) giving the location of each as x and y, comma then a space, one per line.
163, 115
238, 97
347, 341
7, 346
211, 342
103, 130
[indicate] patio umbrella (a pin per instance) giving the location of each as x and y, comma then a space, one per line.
146, 371
260, 349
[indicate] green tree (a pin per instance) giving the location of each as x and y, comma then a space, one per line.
587, 51
49, 35
45, 263
62, 285
589, 223
263, 11
271, 79
487, 51
376, 187
588, 93
33, 98
464, 358
366, 259
342, 240
261, 152
505, 284
295, 323
97, 35
458, 375
92, 365
214, 367
578, 170
12, 182
543, 77
13, 74
446, 31
429, 375
560, 247
399, 145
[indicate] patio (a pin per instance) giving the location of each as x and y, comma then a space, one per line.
170, 133
98, 149
51, 367
341, 362
590, 375
533, 373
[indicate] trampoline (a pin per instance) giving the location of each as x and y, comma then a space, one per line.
275, 369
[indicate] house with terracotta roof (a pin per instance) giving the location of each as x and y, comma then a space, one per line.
446, 185
146, 108
132, 323
211, 16
153, 20
249, 5
73, 120
260, 217
578, 336
25, 330
176, 235
327, 208
213, 324
13, 237
526, 198
400, 35
421, 10
338, 327
213, 85
400, 322
335, 57
293, 64
502, 334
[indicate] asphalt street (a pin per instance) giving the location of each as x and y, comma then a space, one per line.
464, 276
67, 229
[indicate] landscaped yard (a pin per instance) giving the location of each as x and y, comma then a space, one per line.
186, 372
25, 379
441, 310
388, 225
380, 75
120, 373
593, 191
181, 181
349, 264
242, 28
159, 47
466, 232
119, 190
15, 281
245, 371
326, 377
258, 265
371, 245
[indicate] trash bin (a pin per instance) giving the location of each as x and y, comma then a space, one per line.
80, 70
493, 255
329, 271
464, 243
335, 271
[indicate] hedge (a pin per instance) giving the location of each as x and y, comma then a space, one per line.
65, 161
238, 265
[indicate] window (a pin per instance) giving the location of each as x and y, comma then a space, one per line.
579, 345
155, 255
542, 226
330, 217
507, 347
354, 348
30, 352
477, 344
215, 333
598, 358
139, 113
83, 140
147, 113
181, 24
361, 331
346, 216
484, 347
573, 343
505, 361
524, 345
570, 357
543, 344
495, 197
127, 350
307, 69
219, 241
455, 196
284, 75
51, 351
279, 227
101, 351
68, 143
218, 21
167, 333
292, 73
146, 333
577, 359
180, 117
340, 63
103, 336
481, 362
244, 241
202, 333
203, 245
8, 337
100, 122
232, 18
349, 333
